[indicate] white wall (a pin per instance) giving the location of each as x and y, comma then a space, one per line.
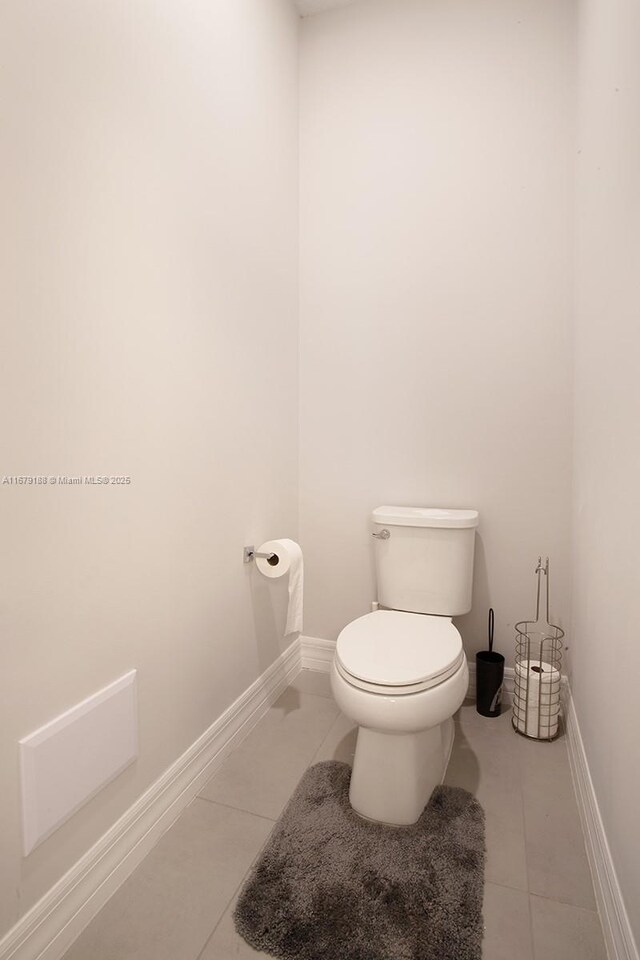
149, 328
436, 201
606, 660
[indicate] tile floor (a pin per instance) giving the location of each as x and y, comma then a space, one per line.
539, 902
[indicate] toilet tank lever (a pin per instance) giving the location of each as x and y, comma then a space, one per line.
383, 535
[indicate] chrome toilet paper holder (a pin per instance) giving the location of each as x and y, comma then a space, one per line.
250, 553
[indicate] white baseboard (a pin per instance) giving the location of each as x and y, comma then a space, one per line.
616, 926
50, 927
317, 654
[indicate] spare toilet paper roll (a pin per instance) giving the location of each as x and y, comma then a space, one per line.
537, 699
287, 559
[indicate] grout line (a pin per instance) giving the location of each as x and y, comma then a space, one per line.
231, 899
324, 740
229, 806
532, 939
519, 761
574, 906
223, 912
507, 886
239, 887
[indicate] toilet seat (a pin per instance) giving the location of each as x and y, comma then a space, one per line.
391, 652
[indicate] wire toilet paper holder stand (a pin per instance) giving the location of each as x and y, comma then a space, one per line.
536, 705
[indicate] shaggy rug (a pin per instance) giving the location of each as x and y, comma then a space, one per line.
332, 886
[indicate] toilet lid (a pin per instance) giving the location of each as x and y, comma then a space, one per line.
390, 648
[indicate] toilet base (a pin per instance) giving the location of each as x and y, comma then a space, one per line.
394, 774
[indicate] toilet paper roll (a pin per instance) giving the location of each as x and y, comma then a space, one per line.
544, 730
287, 559
538, 671
537, 699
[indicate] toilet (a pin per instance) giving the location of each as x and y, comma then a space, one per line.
400, 672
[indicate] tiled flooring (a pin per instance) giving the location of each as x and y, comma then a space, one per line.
539, 902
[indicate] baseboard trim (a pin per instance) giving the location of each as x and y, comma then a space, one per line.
616, 927
50, 927
317, 654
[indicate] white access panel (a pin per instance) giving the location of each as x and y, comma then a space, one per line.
66, 762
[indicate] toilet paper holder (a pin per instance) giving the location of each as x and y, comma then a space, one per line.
250, 553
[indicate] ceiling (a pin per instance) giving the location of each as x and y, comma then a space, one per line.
307, 7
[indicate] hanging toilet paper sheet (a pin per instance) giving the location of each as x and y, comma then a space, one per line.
288, 559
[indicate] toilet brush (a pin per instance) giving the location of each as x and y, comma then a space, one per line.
489, 677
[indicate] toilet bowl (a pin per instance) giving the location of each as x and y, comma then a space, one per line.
400, 676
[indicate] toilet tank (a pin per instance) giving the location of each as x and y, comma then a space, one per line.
424, 559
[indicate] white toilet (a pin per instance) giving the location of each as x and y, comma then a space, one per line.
400, 673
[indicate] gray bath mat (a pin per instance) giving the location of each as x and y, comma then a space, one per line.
332, 886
